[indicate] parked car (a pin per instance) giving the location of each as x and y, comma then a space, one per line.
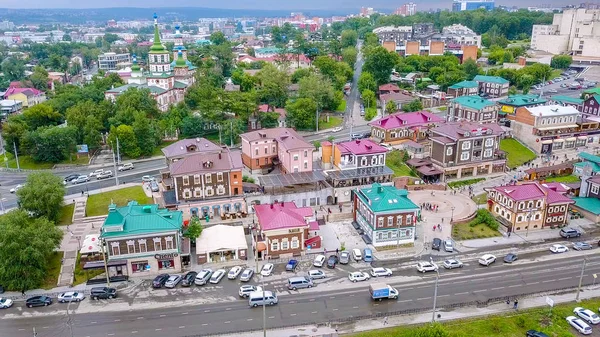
173, 281
487, 259
378, 271
103, 293
535, 333
452, 263
147, 179
5, 303
587, 315
125, 167
160, 280
96, 173
234, 272
332, 261
80, 180
367, 255
448, 246
38, 301
568, 233
358, 276
344, 257
424, 267
246, 289
357, 255
203, 277
267, 269
188, 279
510, 258
316, 274
436, 244
581, 246
16, 188
217, 276
154, 186
104, 175
70, 296
319, 260
558, 248
247, 275
291, 265
579, 325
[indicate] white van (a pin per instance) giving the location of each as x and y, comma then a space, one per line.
319, 261
299, 282
262, 297
356, 254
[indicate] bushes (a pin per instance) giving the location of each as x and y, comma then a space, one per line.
484, 217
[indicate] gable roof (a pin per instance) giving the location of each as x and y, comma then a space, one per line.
25, 91
464, 84
396, 97
389, 87
567, 99
532, 191
287, 138
592, 91
192, 145
406, 119
594, 97
361, 147
138, 219
381, 198
465, 129
552, 110
522, 100
490, 79
282, 215
589, 157
201, 163
473, 102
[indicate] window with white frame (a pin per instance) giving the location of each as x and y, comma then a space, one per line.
130, 246
449, 151
295, 243
538, 204
197, 192
196, 179
285, 245
487, 153
157, 244
464, 156
219, 176
305, 153
595, 189
142, 245
209, 192
186, 180
274, 245
363, 161
305, 165
380, 222
489, 142
295, 157
550, 209
409, 220
380, 159
208, 178
466, 145
187, 193
266, 150
373, 161
169, 242
116, 250
537, 216
390, 221
220, 190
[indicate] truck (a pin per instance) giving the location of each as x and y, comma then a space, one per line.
380, 291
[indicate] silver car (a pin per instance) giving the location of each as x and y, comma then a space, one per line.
345, 257
247, 275
173, 281
217, 276
71, 296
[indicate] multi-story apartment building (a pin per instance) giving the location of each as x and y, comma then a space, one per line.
470, 5
406, 9
144, 239
472, 109
281, 147
204, 178
113, 61
510, 104
404, 126
493, 86
548, 128
464, 149
398, 34
385, 214
458, 34
575, 31
528, 206
464, 88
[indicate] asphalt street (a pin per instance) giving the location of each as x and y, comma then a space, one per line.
538, 273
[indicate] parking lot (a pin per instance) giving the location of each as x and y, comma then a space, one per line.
567, 86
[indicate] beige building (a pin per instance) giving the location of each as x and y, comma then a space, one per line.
573, 30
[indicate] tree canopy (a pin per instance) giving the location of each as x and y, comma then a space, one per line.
42, 195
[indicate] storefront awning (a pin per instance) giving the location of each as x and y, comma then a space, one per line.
100, 264
261, 246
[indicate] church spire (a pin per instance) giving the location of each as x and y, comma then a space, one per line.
180, 62
157, 46
135, 66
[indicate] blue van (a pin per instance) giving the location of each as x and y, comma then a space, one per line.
367, 255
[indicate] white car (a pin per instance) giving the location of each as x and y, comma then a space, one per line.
234, 272
247, 275
5, 303
452, 263
487, 259
337, 129
424, 267
147, 179
125, 167
558, 248
587, 315
173, 281
387, 146
217, 276
80, 180
376, 272
96, 173
316, 274
319, 260
246, 289
267, 269
70, 296
579, 325
358, 276
16, 188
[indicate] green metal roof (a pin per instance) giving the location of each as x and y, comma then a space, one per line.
473, 102
567, 99
589, 157
157, 47
591, 205
180, 62
158, 75
153, 89
522, 100
179, 85
464, 84
592, 91
583, 164
386, 198
490, 79
135, 219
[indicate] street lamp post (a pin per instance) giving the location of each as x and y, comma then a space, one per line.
452, 214
528, 222
262, 278
437, 277
580, 279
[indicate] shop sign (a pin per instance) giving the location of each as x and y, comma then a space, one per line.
294, 230
165, 256
508, 109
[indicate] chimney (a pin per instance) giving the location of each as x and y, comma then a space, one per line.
271, 206
357, 141
282, 204
197, 140
219, 155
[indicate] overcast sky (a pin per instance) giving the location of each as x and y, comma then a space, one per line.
259, 4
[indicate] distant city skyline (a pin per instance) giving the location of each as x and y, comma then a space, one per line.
265, 4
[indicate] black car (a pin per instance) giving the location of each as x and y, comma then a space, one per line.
71, 177
160, 280
188, 279
38, 301
97, 293
436, 244
332, 261
535, 333
510, 258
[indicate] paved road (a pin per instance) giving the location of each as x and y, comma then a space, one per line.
471, 283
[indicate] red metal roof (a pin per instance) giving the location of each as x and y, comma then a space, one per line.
361, 147
406, 120
282, 215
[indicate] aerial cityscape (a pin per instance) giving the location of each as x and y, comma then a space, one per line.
427, 169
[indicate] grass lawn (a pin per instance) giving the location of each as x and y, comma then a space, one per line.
564, 179
466, 232
480, 199
395, 161
97, 204
555, 73
65, 215
466, 182
551, 322
516, 153
342, 106
81, 276
27, 163
333, 122
54, 264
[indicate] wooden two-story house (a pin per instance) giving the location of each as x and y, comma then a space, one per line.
472, 109
145, 239
404, 126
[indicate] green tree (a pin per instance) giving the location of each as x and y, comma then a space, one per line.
471, 69
218, 38
39, 78
368, 98
136, 100
370, 114
67, 37
494, 36
13, 130
512, 90
367, 81
320, 90
561, 61
349, 55
13, 69
194, 229
415, 105
50, 144
525, 81
127, 140
26, 244
273, 86
301, 113
380, 63
391, 107
300, 73
92, 133
145, 134
41, 115
192, 126
111, 38
349, 38
42, 195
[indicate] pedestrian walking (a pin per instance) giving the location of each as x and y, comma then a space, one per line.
337, 251
508, 301
516, 304
23, 292
82, 193
385, 322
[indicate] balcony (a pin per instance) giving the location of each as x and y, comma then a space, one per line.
347, 164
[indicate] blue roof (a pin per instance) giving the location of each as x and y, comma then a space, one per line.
591, 205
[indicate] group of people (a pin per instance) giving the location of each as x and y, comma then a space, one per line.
429, 206
439, 227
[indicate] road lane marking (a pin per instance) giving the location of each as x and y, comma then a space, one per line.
314, 312
140, 318
534, 282
461, 293
546, 281
204, 324
227, 309
443, 295
162, 315
375, 304
117, 320
498, 288
331, 297
249, 319
405, 301
514, 286
184, 313
226, 322
311, 300
292, 314
271, 317
93, 322
182, 327
564, 278
157, 329
408, 288
335, 309
292, 302
422, 298
479, 291
110, 334
206, 310
354, 307
351, 295
134, 331
44, 327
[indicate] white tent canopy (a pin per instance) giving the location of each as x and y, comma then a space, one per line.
221, 238
91, 244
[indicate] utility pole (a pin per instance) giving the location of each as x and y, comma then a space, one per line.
231, 134
528, 222
262, 278
317, 119
115, 168
437, 277
118, 153
102, 248
17, 156
580, 279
